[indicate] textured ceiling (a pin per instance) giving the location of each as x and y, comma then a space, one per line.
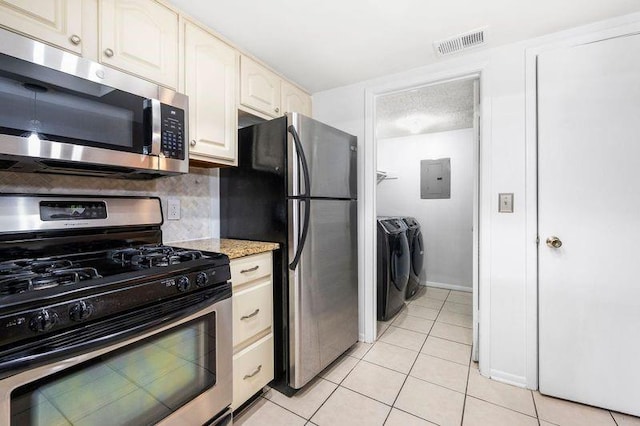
428, 109
330, 43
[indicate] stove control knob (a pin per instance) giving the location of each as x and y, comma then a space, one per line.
43, 321
80, 311
202, 279
183, 284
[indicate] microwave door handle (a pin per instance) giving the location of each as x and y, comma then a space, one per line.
156, 127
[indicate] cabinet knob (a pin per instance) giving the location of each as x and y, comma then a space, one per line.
193, 142
108, 53
277, 110
75, 39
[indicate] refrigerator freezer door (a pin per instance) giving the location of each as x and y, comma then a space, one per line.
331, 155
323, 288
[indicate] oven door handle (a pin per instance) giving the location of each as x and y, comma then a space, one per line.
104, 333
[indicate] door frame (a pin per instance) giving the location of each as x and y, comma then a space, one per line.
631, 26
367, 239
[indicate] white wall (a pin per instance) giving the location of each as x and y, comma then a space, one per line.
508, 342
446, 223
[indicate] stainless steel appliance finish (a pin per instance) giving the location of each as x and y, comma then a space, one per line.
21, 214
323, 288
197, 412
65, 77
296, 184
103, 324
331, 157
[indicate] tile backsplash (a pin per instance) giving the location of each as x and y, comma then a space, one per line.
197, 192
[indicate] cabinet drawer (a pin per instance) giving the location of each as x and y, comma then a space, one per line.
252, 370
250, 268
252, 311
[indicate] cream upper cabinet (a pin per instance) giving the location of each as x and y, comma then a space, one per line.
211, 82
140, 37
57, 22
259, 88
295, 100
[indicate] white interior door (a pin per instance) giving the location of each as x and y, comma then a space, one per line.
589, 197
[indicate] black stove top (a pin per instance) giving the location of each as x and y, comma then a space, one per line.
25, 275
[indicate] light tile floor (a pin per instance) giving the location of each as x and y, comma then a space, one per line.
419, 372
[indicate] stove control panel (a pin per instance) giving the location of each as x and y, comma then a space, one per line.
70, 311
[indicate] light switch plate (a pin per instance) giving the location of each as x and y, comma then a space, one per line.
505, 202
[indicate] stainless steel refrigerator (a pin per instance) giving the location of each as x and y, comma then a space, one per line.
295, 184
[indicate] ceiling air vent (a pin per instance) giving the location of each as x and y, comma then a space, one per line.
461, 42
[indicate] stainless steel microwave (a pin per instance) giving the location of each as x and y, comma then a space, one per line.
60, 113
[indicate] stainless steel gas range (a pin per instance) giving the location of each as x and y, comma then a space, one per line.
101, 324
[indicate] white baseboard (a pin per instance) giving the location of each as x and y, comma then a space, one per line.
510, 379
448, 286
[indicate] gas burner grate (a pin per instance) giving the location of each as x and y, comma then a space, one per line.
154, 256
28, 280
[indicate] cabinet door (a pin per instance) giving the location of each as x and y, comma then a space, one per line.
140, 37
57, 22
295, 100
259, 88
211, 81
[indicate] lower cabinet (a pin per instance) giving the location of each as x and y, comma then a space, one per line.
252, 369
252, 282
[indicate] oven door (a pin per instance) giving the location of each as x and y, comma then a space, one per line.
179, 373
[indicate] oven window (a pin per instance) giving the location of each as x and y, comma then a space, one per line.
63, 108
136, 385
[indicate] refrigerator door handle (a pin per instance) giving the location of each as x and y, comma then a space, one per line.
303, 160
303, 237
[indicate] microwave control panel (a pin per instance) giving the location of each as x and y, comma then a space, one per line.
172, 142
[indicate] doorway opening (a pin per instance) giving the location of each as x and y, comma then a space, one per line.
427, 146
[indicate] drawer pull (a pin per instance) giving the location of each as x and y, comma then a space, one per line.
255, 268
251, 315
256, 371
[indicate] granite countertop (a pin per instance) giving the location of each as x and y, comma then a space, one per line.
232, 248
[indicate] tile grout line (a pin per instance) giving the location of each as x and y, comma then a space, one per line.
263, 396
614, 419
409, 373
339, 385
324, 402
284, 408
406, 375
505, 408
466, 390
501, 406
535, 407
392, 406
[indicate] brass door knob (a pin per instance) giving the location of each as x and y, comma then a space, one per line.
554, 242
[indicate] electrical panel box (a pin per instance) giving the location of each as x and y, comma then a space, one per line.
435, 178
